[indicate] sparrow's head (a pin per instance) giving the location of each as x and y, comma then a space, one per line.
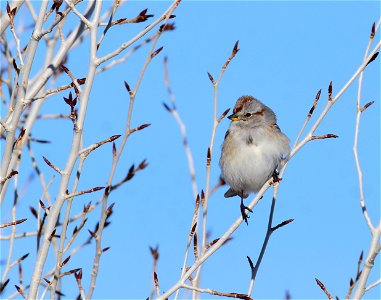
252, 112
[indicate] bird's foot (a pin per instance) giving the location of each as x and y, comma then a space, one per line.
275, 176
243, 208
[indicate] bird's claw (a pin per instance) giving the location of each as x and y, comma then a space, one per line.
243, 208
275, 176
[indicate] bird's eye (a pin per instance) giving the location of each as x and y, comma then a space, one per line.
248, 115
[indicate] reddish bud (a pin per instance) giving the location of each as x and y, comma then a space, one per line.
223, 115
155, 279
373, 31
235, 49
372, 58
23, 257
78, 274
127, 87
92, 233
211, 78
33, 211
156, 52
143, 126
330, 91
366, 106
193, 229
52, 234
65, 261
109, 209
81, 80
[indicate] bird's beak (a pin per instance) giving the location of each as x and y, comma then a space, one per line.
233, 117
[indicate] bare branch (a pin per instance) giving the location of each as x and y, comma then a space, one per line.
212, 292
12, 223
52, 166
372, 285
282, 224
72, 195
325, 136
85, 152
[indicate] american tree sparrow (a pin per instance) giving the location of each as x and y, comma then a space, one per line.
253, 150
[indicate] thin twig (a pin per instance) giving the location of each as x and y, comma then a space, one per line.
18, 236
71, 160
12, 223
355, 145
116, 157
375, 231
192, 232
52, 92
173, 111
216, 121
72, 195
55, 168
155, 256
163, 18
9, 265
79, 15
127, 55
372, 285
270, 230
212, 292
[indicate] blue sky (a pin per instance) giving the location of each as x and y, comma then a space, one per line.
288, 51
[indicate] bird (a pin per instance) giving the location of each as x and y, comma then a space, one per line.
253, 150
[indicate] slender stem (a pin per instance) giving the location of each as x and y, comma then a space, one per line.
265, 242
25, 72
72, 158
98, 248
64, 231
372, 285
17, 45
207, 184
209, 158
376, 232
13, 232
355, 146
